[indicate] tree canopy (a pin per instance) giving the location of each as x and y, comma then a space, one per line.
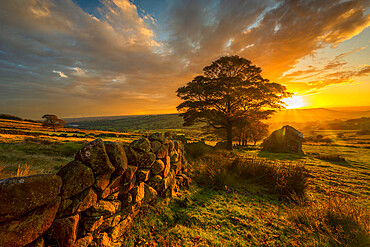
52, 121
231, 90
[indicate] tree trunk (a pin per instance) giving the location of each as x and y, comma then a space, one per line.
229, 136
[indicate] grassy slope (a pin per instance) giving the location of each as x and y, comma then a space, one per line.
247, 214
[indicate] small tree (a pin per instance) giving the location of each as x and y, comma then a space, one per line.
52, 121
230, 89
257, 131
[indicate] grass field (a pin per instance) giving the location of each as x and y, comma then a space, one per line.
222, 208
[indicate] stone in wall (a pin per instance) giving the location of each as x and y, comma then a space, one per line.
117, 157
84, 241
145, 159
27, 228
22, 194
81, 202
131, 155
76, 178
157, 137
137, 192
142, 145
157, 167
64, 230
142, 175
150, 194
113, 187
95, 156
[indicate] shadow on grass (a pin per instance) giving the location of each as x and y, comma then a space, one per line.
279, 156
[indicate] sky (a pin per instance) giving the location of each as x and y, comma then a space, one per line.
119, 57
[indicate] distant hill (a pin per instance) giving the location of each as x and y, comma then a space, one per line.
173, 121
124, 123
320, 114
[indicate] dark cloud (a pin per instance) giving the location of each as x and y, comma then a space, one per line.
56, 58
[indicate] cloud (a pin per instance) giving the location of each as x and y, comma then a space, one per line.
295, 29
57, 58
335, 71
61, 74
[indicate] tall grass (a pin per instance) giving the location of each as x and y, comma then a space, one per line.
219, 170
22, 170
336, 221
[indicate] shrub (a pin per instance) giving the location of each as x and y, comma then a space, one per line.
220, 170
197, 150
288, 181
337, 221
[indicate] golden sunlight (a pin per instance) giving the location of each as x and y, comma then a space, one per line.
294, 102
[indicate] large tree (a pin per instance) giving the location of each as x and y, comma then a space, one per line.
231, 89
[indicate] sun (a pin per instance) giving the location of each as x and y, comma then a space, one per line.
294, 102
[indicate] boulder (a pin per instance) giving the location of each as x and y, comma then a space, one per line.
159, 149
142, 175
157, 167
177, 145
157, 137
76, 178
285, 140
141, 144
145, 159
174, 156
112, 187
113, 196
176, 167
95, 156
129, 174
110, 222
126, 199
64, 230
149, 194
166, 183
154, 181
104, 208
84, 241
162, 152
103, 240
131, 155
91, 224
167, 168
40, 242
82, 202
126, 187
137, 192
22, 194
117, 156
121, 228
26, 229
102, 181
171, 145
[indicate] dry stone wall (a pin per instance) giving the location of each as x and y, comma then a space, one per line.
93, 200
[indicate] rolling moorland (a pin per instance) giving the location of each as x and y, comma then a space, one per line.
237, 198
